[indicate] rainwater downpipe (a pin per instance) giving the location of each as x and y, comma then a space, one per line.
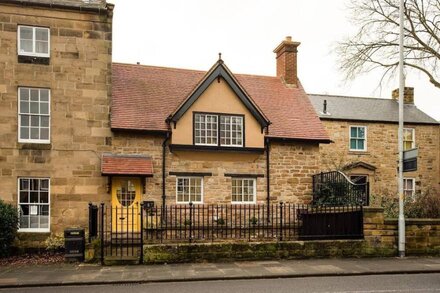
164, 150
268, 178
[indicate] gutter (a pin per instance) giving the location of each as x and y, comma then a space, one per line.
82, 8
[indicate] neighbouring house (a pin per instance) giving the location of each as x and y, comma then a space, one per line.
77, 128
365, 131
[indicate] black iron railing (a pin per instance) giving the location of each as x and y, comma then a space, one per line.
122, 231
335, 189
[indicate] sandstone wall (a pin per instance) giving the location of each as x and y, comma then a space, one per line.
291, 167
382, 153
79, 77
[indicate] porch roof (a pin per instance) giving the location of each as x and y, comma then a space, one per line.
115, 164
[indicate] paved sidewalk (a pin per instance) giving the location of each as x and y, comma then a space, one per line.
83, 274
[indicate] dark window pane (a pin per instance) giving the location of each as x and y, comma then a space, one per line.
24, 107
35, 133
24, 196
24, 132
24, 94
34, 197
44, 197
34, 95
34, 108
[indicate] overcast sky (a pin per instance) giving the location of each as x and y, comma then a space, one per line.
191, 33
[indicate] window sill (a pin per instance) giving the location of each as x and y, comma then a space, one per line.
33, 59
361, 153
32, 230
34, 146
202, 148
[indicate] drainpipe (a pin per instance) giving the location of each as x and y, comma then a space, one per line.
164, 149
268, 178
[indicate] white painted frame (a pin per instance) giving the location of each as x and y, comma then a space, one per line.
254, 196
36, 230
202, 191
405, 179
365, 138
413, 133
206, 136
33, 53
30, 140
242, 130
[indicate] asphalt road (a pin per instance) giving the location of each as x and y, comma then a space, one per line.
378, 283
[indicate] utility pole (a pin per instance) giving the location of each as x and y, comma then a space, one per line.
400, 135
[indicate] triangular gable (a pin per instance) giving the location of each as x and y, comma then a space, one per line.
220, 70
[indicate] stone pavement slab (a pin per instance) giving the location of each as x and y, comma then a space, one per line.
85, 274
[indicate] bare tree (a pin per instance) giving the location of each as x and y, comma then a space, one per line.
376, 44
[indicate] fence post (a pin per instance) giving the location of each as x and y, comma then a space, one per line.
190, 221
102, 233
141, 258
90, 221
281, 221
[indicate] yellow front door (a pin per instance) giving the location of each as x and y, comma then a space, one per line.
126, 197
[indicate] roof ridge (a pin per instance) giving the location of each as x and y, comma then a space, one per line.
344, 96
160, 67
188, 69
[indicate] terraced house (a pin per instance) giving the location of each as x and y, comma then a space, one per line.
364, 132
77, 128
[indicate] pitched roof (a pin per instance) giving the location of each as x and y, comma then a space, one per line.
367, 109
144, 96
112, 164
219, 69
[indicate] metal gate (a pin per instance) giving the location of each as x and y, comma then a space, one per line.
118, 230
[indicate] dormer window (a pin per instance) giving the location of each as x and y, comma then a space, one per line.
33, 41
208, 131
231, 131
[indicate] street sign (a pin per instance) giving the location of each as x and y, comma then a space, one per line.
410, 160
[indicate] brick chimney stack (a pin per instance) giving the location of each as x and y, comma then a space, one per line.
287, 65
408, 95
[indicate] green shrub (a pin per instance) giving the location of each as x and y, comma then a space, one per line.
424, 205
8, 227
54, 243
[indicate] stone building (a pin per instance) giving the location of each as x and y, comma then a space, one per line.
76, 128
365, 131
55, 81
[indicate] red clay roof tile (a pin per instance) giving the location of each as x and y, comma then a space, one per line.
126, 165
144, 96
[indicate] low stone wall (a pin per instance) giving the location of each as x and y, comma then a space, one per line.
422, 235
380, 239
221, 252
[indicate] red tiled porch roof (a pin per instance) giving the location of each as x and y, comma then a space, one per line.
126, 165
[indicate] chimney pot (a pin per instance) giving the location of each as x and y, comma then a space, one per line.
287, 66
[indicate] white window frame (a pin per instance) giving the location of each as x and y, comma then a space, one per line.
31, 140
206, 130
33, 53
36, 230
350, 137
413, 191
230, 124
254, 196
413, 134
189, 178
